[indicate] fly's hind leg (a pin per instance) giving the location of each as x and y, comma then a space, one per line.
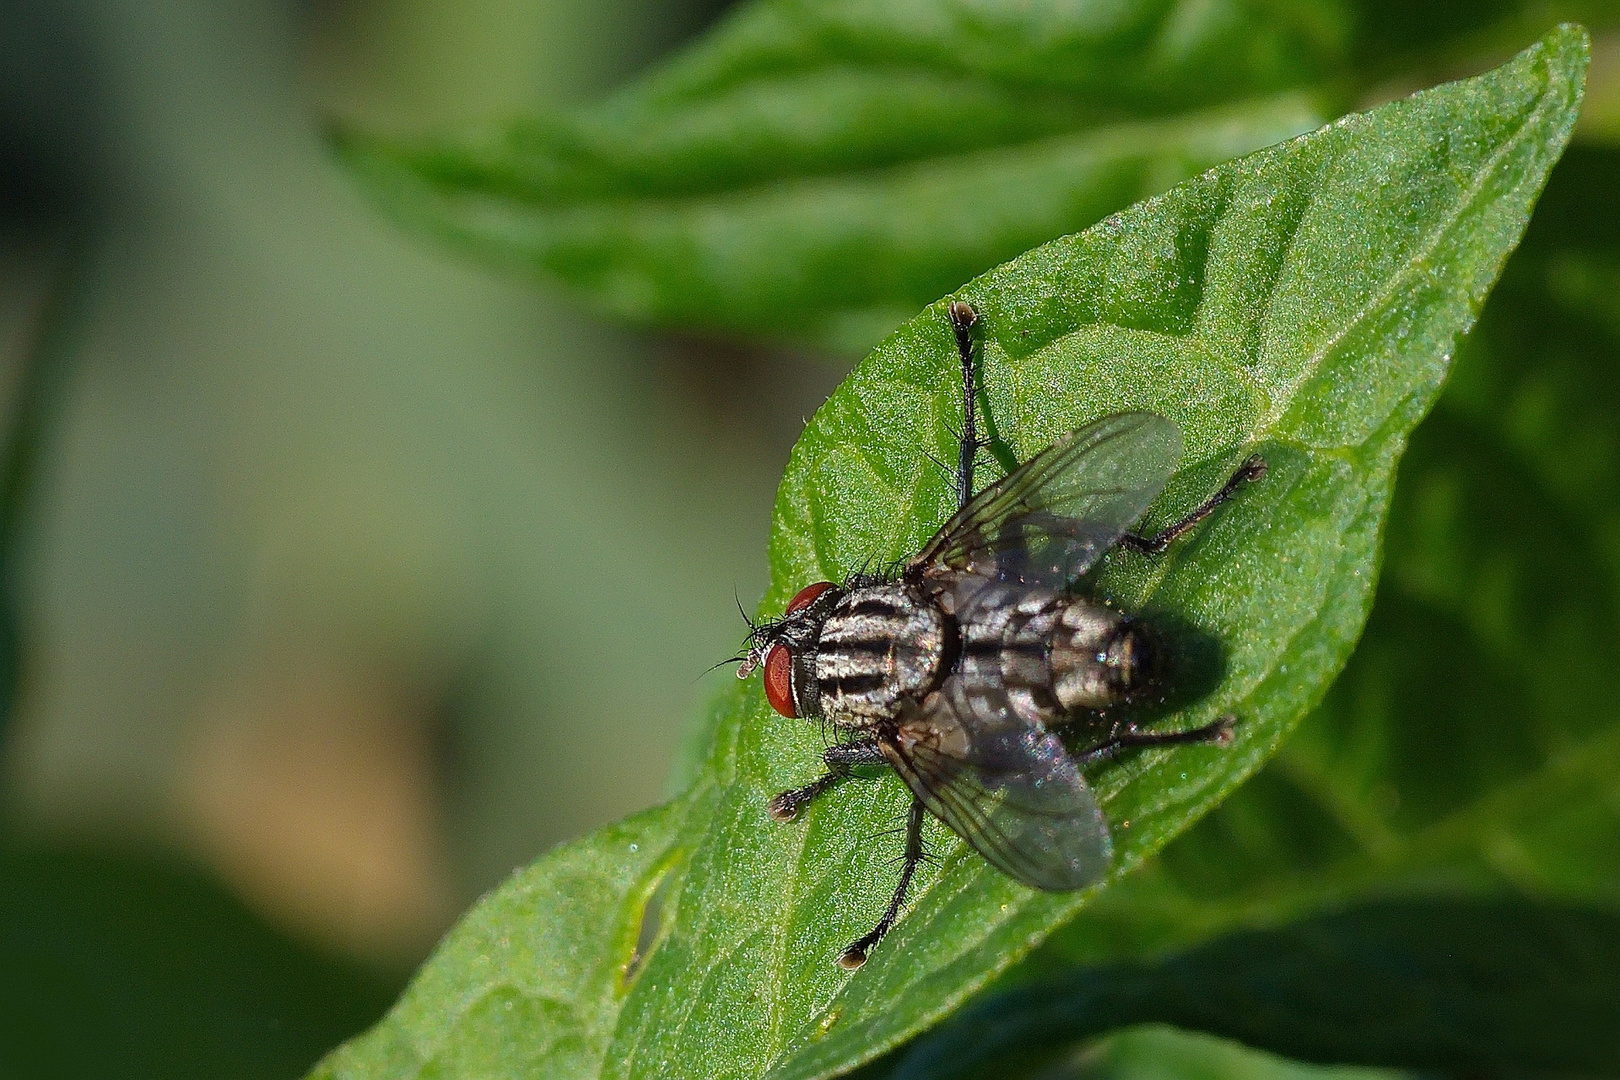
1127, 735
855, 955
1252, 469
840, 759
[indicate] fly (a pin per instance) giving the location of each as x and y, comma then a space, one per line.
955, 668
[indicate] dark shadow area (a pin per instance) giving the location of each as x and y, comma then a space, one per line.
990, 431
1464, 987
1389, 34
1580, 207
53, 177
1185, 663
1188, 664
118, 966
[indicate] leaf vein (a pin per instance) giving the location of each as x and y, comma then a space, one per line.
1387, 292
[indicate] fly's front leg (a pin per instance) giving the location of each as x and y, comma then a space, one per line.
1128, 735
840, 760
854, 956
962, 319
1252, 469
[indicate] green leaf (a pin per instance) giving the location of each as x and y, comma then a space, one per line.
1302, 301
1156, 1052
530, 982
821, 169
1456, 986
1471, 746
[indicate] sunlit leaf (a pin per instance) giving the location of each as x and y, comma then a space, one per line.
1303, 302
1471, 748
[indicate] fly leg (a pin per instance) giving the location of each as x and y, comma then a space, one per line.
840, 759
854, 956
1252, 469
962, 319
1128, 735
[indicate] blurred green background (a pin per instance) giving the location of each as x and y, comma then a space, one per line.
346, 574
351, 575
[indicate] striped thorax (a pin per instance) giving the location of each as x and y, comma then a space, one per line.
880, 645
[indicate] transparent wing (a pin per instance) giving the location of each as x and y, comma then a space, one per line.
1004, 784
1052, 518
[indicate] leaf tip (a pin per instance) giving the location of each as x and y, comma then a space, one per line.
1567, 51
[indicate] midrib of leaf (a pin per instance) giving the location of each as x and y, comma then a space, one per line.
1378, 303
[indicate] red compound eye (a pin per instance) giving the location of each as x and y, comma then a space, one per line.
806, 596
778, 680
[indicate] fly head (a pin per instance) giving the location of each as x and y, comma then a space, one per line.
780, 646
853, 655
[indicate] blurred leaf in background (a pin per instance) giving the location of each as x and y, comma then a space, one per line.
327, 546
332, 542
1156, 1052
816, 171
1453, 986
820, 171
1304, 301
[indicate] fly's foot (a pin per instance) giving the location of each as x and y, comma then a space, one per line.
1221, 731
1251, 470
854, 956
962, 315
785, 807
840, 759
